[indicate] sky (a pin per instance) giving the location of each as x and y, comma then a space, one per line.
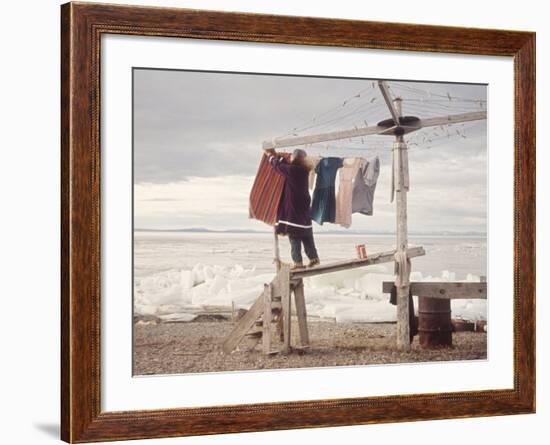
198, 139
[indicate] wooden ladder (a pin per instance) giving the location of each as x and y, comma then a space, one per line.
272, 309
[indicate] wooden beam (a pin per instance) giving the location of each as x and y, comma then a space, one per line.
375, 258
322, 137
402, 243
276, 251
375, 129
301, 313
453, 119
283, 278
452, 290
387, 97
243, 326
267, 318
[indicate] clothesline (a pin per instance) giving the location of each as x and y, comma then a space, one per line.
332, 203
367, 105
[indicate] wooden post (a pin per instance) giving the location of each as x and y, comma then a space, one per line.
403, 269
266, 318
300, 302
284, 286
276, 252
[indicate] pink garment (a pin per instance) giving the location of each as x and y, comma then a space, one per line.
345, 191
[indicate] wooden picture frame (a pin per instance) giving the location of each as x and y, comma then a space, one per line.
82, 26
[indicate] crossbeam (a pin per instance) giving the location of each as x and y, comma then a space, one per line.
376, 258
322, 137
372, 130
453, 119
450, 290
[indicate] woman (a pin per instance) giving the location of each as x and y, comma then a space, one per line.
294, 214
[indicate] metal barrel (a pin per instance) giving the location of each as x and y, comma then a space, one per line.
434, 322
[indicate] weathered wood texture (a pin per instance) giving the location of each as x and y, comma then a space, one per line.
375, 258
82, 25
267, 318
283, 284
245, 324
453, 119
375, 129
301, 313
401, 182
456, 290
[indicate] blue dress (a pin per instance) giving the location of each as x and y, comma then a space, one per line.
323, 208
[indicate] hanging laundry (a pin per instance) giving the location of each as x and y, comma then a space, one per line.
266, 192
347, 174
364, 186
294, 213
323, 208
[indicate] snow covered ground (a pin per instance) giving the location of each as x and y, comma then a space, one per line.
177, 274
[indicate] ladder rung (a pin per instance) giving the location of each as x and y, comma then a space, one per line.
254, 334
276, 306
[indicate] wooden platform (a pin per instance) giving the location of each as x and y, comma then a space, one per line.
273, 308
376, 258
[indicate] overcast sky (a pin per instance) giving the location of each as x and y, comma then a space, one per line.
198, 137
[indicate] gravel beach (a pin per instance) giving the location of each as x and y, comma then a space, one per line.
189, 347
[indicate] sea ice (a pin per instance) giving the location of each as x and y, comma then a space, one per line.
346, 296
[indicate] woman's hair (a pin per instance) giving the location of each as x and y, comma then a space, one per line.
299, 153
300, 158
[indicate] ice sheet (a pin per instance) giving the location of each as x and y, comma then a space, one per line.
345, 296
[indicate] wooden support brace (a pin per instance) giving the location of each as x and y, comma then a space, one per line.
243, 326
299, 300
284, 287
266, 319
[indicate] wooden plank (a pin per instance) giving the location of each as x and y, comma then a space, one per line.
276, 250
376, 258
402, 244
387, 97
283, 279
375, 129
322, 137
243, 326
450, 290
267, 318
453, 119
300, 302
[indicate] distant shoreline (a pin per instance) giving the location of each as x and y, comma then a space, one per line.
329, 232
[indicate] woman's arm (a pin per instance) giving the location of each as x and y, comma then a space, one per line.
278, 163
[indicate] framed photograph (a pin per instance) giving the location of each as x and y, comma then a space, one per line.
274, 222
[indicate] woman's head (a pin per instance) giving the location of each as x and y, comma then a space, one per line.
298, 157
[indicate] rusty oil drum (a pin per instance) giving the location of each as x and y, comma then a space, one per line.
434, 322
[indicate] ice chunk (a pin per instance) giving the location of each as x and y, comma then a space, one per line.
217, 284
187, 280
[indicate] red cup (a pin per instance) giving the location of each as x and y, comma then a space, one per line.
361, 251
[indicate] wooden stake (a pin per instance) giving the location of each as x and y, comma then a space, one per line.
284, 286
266, 319
276, 251
402, 279
300, 301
